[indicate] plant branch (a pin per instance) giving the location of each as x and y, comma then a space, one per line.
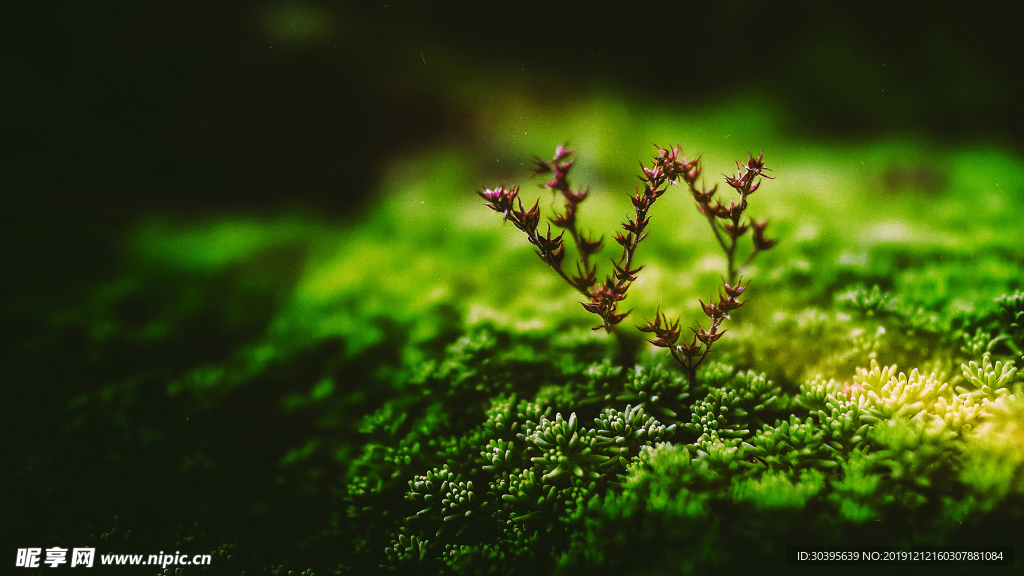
667, 167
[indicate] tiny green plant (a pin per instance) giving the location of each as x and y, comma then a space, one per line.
668, 167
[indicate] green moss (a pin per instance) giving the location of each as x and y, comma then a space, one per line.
413, 390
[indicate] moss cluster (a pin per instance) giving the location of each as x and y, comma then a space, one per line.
578, 470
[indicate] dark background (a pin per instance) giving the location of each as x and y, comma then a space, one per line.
120, 107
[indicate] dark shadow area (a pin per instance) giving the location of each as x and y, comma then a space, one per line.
124, 107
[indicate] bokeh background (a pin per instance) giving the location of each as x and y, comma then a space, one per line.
199, 193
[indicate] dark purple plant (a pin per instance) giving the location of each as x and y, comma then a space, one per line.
668, 166
727, 221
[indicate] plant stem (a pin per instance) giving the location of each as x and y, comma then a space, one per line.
627, 347
584, 256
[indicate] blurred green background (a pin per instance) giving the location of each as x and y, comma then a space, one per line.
229, 223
